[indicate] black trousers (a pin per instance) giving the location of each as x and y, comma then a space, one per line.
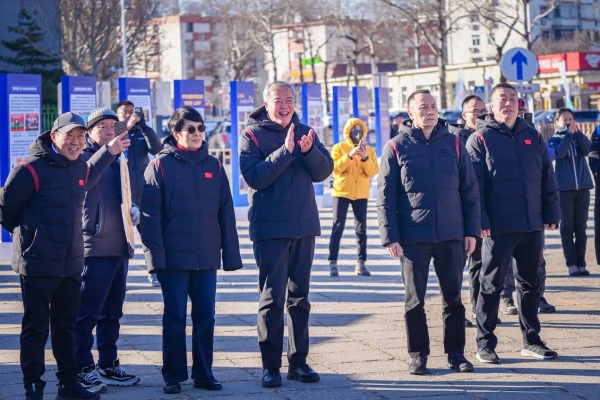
448, 261
497, 251
574, 208
340, 210
284, 268
54, 300
508, 287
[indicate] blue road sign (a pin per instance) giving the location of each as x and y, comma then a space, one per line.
519, 65
479, 91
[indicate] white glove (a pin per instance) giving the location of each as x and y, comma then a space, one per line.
135, 215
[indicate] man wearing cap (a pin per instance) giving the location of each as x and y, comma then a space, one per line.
104, 277
41, 206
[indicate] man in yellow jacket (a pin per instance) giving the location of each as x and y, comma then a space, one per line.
354, 164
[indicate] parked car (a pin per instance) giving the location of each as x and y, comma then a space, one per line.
220, 139
452, 116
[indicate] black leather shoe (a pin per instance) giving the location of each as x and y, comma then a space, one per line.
302, 373
418, 366
210, 385
75, 391
172, 388
271, 378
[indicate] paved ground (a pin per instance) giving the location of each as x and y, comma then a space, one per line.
357, 336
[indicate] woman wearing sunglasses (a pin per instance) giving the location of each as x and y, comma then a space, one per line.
187, 228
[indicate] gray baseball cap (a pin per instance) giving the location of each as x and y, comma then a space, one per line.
67, 121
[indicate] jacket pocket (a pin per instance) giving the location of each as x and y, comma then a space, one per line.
33, 242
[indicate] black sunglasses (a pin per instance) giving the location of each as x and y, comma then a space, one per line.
192, 129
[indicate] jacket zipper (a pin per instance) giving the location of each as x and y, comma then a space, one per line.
573, 161
521, 179
435, 219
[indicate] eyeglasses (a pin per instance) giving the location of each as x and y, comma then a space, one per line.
477, 112
192, 129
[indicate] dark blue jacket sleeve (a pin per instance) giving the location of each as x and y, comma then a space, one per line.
583, 142
560, 145
151, 229
97, 165
230, 244
469, 195
478, 154
259, 173
550, 194
14, 195
318, 161
388, 188
594, 156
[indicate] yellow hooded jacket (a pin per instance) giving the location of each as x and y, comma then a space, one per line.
351, 175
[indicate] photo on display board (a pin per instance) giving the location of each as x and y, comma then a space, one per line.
32, 122
17, 122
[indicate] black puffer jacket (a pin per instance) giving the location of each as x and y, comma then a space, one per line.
281, 195
463, 131
143, 142
188, 221
516, 178
41, 204
103, 231
427, 189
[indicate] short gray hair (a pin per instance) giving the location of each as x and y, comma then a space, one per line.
271, 87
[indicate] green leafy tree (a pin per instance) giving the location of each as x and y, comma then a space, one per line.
28, 57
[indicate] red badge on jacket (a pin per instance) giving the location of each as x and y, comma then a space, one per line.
81, 182
208, 175
528, 142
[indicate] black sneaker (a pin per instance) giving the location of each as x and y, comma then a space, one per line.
458, 362
89, 378
418, 366
333, 269
75, 391
487, 356
209, 385
539, 351
271, 377
172, 388
302, 373
468, 324
545, 307
117, 376
35, 391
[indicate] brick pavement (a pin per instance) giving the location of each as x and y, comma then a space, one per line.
357, 335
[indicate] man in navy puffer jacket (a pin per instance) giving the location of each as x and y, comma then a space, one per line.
519, 198
428, 207
280, 158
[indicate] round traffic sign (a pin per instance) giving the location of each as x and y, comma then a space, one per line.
519, 65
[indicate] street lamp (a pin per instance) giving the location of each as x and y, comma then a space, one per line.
123, 35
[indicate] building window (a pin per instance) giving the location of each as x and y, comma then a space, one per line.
474, 16
495, 2
475, 40
190, 63
189, 27
492, 38
565, 11
543, 9
545, 35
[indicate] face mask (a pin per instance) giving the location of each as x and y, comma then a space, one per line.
356, 134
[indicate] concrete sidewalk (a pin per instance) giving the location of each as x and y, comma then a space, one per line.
358, 342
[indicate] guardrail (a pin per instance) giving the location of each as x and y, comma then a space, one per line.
547, 130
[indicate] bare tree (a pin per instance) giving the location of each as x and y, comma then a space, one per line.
435, 20
88, 38
512, 17
580, 41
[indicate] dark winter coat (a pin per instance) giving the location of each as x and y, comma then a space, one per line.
570, 150
103, 230
187, 215
516, 178
281, 194
594, 160
427, 189
460, 130
143, 142
41, 205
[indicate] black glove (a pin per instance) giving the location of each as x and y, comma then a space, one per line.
142, 122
